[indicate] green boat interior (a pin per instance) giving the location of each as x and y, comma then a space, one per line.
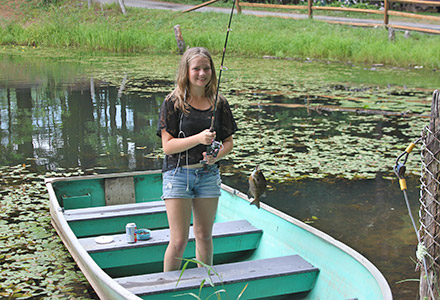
263, 252
103, 206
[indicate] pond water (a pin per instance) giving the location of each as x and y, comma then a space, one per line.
325, 134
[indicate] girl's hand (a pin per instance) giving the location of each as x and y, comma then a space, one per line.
209, 159
206, 137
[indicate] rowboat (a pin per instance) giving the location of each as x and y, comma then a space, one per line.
258, 253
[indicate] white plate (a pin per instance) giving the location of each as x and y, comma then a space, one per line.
104, 239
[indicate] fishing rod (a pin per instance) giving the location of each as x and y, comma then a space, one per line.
215, 146
221, 65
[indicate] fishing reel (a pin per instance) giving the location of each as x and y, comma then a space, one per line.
212, 149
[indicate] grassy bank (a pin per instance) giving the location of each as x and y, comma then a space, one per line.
71, 25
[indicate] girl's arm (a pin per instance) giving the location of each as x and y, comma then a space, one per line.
173, 145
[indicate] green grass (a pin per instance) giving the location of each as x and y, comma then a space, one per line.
105, 29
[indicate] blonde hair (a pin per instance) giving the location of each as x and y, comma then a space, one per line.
182, 79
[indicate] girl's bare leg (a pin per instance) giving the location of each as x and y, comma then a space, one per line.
179, 220
204, 210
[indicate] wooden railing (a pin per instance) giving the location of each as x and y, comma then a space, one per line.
386, 12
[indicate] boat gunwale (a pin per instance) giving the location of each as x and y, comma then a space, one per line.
101, 176
374, 271
88, 266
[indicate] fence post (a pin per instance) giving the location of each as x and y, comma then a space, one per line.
309, 8
385, 12
430, 205
237, 6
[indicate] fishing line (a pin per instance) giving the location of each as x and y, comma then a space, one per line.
180, 134
215, 146
221, 66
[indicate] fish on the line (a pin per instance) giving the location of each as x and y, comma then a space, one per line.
257, 186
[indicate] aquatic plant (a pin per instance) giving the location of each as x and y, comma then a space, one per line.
292, 142
312, 121
210, 271
35, 263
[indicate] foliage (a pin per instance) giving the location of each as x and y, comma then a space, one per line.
35, 264
104, 28
353, 4
210, 271
47, 3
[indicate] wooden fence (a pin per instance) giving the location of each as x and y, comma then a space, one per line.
386, 12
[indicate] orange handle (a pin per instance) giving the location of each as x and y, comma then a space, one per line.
410, 148
402, 183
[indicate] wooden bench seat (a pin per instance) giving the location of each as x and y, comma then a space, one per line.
228, 237
266, 278
112, 219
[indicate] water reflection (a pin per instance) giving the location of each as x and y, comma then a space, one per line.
78, 126
59, 115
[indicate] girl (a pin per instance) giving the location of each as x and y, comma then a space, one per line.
191, 178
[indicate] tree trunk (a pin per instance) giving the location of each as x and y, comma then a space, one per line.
179, 39
122, 5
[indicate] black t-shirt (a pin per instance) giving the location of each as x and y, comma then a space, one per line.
180, 125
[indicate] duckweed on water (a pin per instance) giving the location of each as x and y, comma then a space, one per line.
35, 263
305, 142
310, 138
293, 143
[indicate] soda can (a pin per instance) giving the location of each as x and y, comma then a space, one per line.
130, 232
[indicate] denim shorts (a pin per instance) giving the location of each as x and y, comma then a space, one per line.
192, 183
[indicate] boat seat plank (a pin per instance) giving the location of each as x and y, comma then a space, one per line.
102, 212
228, 237
266, 277
112, 219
